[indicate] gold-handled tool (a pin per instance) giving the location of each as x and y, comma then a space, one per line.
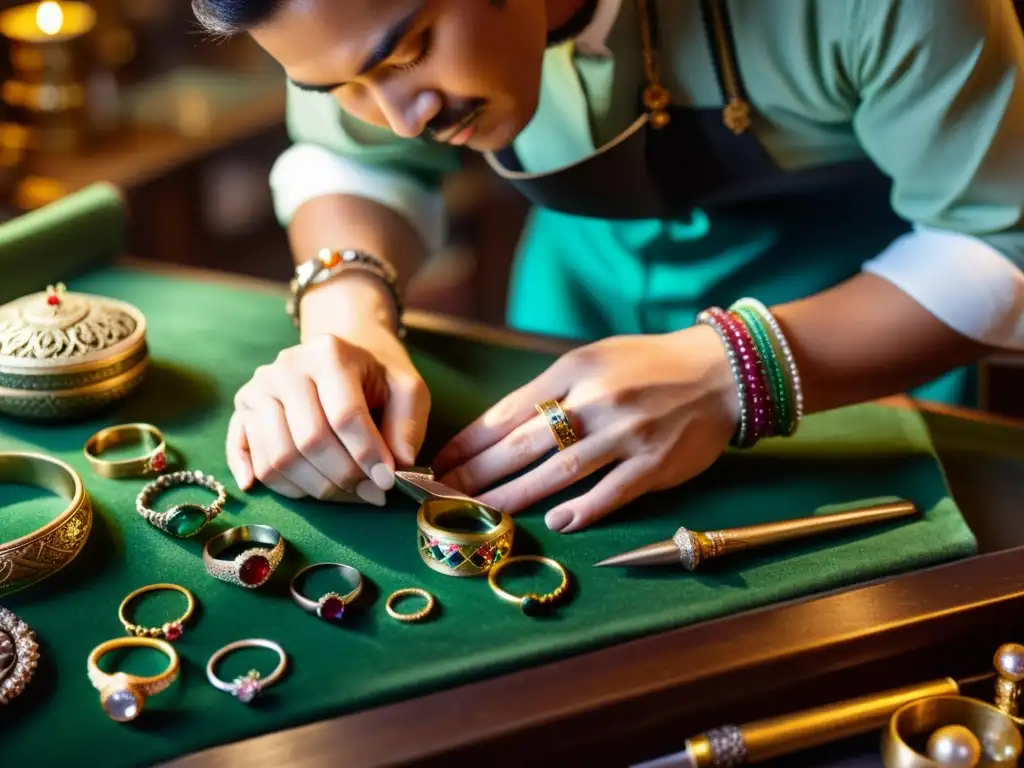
691, 548
787, 734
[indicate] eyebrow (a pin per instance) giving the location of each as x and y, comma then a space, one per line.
382, 51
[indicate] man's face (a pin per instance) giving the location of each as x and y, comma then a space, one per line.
466, 71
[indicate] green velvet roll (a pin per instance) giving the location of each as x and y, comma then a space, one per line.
60, 240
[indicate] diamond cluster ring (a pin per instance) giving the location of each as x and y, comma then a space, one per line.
19, 655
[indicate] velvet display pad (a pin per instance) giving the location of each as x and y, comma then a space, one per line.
206, 340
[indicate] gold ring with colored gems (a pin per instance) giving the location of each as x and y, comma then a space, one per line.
153, 462
531, 604
30, 559
172, 630
251, 568
248, 686
462, 538
123, 696
419, 615
558, 422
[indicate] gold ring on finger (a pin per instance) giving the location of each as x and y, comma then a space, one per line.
558, 422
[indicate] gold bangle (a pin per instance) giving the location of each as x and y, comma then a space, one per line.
170, 631
153, 462
410, 592
31, 558
558, 423
123, 696
530, 604
448, 544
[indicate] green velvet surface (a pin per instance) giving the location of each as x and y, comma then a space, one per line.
205, 341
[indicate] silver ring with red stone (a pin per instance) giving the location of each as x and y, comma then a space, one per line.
247, 687
331, 606
253, 567
182, 520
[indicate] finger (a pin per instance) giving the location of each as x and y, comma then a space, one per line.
405, 417
278, 458
236, 450
266, 475
499, 420
518, 449
348, 415
313, 436
564, 468
627, 482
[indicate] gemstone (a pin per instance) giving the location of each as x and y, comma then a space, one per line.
185, 520
532, 606
247, 688
436, 552
332, 608
122, 705
158, 462
173, 631
455, 559
53, 300
254, 571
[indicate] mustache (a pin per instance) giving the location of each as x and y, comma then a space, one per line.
451, 117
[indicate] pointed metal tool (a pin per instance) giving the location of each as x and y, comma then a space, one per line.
419, 484
691, 548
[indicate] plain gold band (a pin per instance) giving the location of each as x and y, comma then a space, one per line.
127, 434
160, 632
38, 555
410, 592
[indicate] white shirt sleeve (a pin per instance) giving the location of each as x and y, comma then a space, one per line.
306, 171
962, 280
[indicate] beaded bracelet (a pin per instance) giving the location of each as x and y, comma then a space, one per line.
755, 313
740, 436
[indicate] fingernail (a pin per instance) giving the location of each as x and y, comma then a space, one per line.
370, 493
383, 476
557, 519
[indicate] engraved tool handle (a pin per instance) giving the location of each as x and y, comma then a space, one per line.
784, 735
746, 537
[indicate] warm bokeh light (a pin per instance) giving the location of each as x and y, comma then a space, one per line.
50, 17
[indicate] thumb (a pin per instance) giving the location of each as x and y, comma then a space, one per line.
404, 424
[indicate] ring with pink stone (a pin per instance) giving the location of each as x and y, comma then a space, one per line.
247, 687
331, 605
253, 567
170, 630
152, 462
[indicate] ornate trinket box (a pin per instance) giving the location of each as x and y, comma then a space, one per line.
67, 355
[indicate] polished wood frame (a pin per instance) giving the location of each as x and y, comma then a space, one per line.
641, 698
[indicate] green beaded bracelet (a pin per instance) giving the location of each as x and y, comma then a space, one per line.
770, 359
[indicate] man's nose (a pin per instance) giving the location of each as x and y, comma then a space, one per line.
409, 119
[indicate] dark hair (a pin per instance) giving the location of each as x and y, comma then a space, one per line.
229, 17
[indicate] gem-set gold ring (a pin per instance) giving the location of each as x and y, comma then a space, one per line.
419, 615
182, 520
531, 604
461, 537
19, 656
330, 606
253, 567
40, 554
250, 685
123, 696
153, 462
558, 422
171, 630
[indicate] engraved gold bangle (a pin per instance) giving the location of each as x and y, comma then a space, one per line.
253, 567
462, 538
250, 685
123, 696
419, 615
170, 631
153, 462
530, 604
19, 656
31, 558
558, 423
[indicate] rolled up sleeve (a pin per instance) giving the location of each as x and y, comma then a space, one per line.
941, 111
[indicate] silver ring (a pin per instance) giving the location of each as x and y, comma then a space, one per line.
182, 520
330, 606
250, 685
252, 568
19, 656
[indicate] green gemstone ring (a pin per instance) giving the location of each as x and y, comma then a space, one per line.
181, 520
